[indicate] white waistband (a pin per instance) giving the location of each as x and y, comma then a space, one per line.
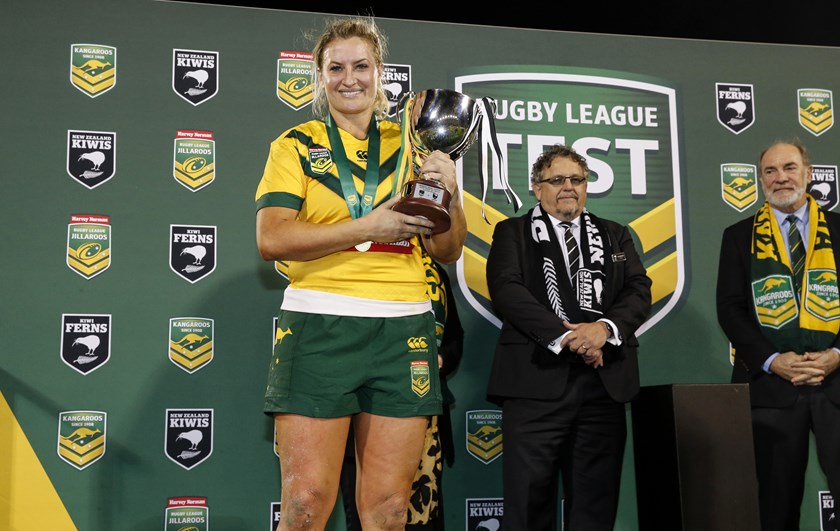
321, 302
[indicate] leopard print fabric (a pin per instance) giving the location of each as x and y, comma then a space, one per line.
424, 504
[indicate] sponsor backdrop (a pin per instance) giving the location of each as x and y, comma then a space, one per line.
138, 319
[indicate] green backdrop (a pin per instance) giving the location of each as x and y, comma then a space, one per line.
677, 217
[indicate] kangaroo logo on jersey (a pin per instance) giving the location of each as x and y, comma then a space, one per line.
89, 244
735, 107
189, 436
295, 75
81, 437
195, 75
190, 342
626, 125
738, 185
91, 156
192, 251
194, 159
823, 186
85, 341
187, 513
484, 434
93, 68
396, 80
815, 110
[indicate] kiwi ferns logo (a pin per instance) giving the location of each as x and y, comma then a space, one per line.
91, 156
85, 341
295, 75
738, 185
190, 342
81, 437
189, 436
93, 68
484, 434
624, 124
396, 80
823, 186
735, 106
816, 112
194, 159
192, 251
89, 244
195, 75
187, 513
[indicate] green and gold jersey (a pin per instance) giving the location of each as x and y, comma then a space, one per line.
301, 174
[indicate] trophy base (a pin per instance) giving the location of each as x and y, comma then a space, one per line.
429, 199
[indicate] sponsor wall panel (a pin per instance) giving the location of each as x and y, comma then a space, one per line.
163, 234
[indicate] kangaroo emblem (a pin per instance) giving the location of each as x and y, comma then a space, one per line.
191, 339
280, 334
770, 284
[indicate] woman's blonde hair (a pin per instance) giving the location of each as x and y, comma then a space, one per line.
366, 29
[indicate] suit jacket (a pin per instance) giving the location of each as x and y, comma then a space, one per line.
738, 320
523, 366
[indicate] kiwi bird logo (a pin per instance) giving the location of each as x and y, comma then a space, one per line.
91, 342
820, 191
200, 76
198, 253
94, 157
739, 107
770, 284
193, 436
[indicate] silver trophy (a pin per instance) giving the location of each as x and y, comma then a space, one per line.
443, 120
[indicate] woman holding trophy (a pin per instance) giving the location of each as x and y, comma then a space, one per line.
356, 278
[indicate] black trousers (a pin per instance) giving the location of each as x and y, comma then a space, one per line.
581, 437
782, 444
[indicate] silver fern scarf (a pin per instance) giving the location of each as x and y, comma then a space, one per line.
582, 298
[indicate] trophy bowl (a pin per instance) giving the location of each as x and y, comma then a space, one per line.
443, 120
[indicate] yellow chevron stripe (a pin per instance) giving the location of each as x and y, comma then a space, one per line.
656, 226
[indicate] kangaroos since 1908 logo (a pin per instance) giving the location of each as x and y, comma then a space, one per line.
93, 68
816, 113
625, 125
190, 342
738, 185
192, 251
81, 437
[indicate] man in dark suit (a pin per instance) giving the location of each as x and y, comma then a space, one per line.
566, 362
779, 308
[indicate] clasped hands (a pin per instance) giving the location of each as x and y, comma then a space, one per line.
586, 340
811, 368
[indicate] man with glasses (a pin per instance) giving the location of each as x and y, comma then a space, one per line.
571, 291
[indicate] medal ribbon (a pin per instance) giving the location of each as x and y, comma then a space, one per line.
357, 208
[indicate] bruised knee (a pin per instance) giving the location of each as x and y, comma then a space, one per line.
305, 509
386, 513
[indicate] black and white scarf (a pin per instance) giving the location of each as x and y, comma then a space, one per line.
582, 299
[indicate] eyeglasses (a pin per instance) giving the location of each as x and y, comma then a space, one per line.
561, 180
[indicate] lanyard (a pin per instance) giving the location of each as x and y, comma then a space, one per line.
357, 208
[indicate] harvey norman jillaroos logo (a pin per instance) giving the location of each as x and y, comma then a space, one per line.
192, 251
187, 513
93, 68
738, 185
421, 380
195, 75
85, 341
194, 159
91, 156
320, 160
396, 80
735, 106
816, 112
823, 186
775, 304
626, 126
189, 436
81, 437
822, 294
484, 434
190, 342
295, 75
89, 244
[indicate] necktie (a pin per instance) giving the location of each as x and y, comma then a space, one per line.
797, 253
572, 250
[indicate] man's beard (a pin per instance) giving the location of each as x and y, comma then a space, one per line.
784, 198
